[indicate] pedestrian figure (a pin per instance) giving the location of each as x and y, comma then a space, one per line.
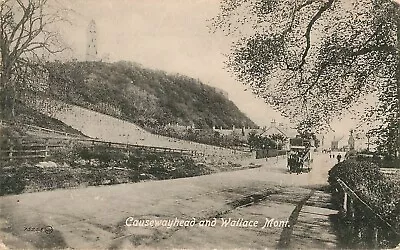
339, 157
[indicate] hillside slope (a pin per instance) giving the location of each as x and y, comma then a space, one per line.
25, 115
146, 97
111, 129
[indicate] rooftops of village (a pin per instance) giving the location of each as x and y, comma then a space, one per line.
274, 128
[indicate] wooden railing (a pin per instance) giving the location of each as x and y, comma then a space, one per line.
390, 171
348, 209
43, 150
46, 130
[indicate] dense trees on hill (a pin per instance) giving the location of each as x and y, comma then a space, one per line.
150, 98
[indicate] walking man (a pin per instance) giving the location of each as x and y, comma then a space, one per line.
339, 157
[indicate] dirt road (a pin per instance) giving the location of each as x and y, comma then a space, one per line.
214, 211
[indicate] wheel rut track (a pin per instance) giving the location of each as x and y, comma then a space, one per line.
286, 234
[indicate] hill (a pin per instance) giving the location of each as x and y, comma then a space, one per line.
149, 98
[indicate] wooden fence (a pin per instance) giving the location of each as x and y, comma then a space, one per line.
38, 150
391, 171
51, 131
31, 150
267, 153
45, 130
350, 198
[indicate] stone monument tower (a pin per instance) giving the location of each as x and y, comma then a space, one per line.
91, 49
351, 141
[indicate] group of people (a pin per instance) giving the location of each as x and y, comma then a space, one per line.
338, 157
295, 162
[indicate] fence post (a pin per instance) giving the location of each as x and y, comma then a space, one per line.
10, 153
46, 153
375, 241
345, 197
356, 225
351, 208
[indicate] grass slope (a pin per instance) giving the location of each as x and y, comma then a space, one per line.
27, 115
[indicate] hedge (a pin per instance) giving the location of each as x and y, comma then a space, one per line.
379, 192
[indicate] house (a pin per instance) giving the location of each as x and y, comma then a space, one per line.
280, 129
243, 133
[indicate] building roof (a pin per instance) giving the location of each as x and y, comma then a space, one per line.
279, 129
274, 130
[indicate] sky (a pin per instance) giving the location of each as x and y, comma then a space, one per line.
169, 35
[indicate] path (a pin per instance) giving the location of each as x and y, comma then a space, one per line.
95, 217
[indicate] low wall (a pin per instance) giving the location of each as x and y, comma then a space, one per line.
266, 153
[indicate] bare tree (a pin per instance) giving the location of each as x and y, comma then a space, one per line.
27, 33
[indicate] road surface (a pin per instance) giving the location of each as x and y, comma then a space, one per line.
290, 210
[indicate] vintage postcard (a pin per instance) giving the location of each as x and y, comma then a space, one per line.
199, 124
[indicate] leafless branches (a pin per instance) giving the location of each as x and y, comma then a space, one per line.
27, 32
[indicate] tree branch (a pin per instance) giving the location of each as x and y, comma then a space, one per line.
307, 34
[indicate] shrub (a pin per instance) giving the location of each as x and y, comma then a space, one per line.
9, 136
354, 172
12, 179
11, 182
369, 183
82, 166
102, 155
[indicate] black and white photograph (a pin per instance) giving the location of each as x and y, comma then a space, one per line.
199, 124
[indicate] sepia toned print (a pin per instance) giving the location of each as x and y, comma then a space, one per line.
199, 124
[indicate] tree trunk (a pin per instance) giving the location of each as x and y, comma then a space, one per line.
7, 97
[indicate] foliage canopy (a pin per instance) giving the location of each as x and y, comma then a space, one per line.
313, 59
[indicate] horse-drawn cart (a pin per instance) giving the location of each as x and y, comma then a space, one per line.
299, 156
